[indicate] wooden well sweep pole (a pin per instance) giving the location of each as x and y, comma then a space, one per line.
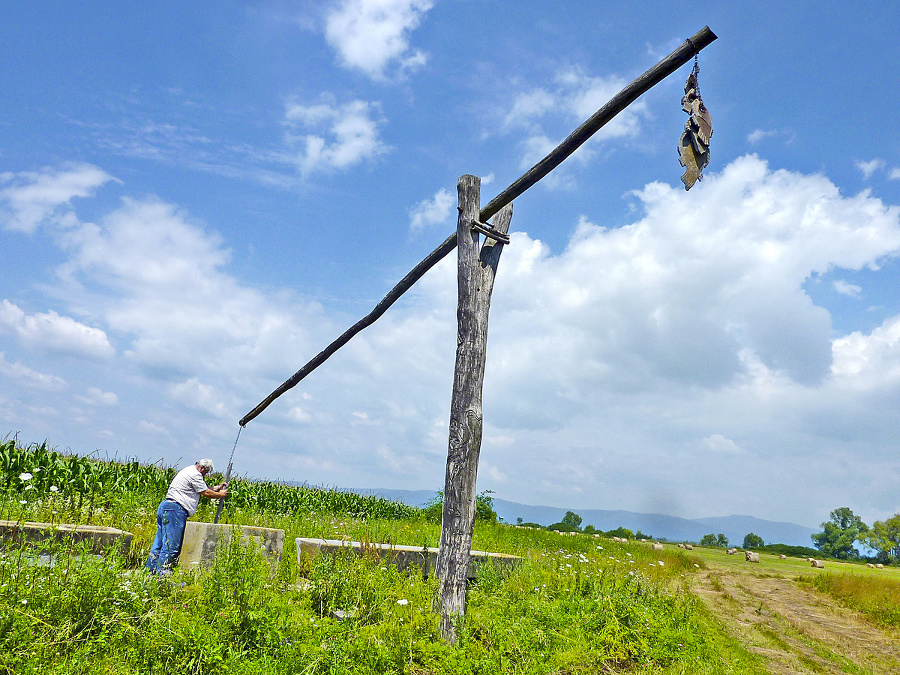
594, 123
477, 269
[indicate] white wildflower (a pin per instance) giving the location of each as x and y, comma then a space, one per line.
25, 476
53, 488
403, 601
661, 563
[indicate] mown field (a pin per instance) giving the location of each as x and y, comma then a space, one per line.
574, 604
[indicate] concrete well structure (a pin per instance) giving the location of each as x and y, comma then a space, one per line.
403, 557
100, 538
202, 539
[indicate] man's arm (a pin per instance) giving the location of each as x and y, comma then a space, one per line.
218, 492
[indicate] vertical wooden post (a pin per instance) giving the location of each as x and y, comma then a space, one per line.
477, 268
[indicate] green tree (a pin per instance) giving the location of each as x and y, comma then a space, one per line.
753, 541
721, 540
622, 532
519, 520
884, 537
709, 540
572, 519
840, 532
484, 507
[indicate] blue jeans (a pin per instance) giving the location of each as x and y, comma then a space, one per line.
171, 519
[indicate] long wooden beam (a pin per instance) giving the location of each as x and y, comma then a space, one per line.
575, 140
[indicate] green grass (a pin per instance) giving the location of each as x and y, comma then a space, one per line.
574, 604
875, 595
791, 568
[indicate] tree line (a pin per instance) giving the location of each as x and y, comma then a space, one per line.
838, 538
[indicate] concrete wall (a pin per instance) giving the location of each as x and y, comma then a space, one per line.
202, 539
100, 538
403, 557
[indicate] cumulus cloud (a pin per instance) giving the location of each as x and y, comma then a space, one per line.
894, 173
299, 414
626, 359
24, 376
373, 35
869, 359
199, 396
718, 444
54, 333
434, 211
99, 397
870, 167
331, 136
29, 198
846, 288
158, 278
546, 113
758, 135
687, 296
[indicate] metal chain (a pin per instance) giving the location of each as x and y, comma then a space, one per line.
696, 72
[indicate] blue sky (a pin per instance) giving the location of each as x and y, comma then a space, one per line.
196, 198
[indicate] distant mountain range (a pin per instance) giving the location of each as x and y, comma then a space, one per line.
656, 525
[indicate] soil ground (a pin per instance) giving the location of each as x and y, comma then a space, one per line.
790, 626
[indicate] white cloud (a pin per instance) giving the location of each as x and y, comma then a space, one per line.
199, 396
157, 279
528, 107
31, 197
299, 414
870, 167
98, 396
617, 364
154, 429
434, 211
334, 137
718, 444
370, 35
24, 376
870, 360
894, 173
54, 333
547, 113
758, 135
846, 288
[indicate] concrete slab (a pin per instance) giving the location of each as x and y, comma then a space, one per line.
202, 539
404, 557
99, 538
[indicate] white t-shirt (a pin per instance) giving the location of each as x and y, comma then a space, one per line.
186, 488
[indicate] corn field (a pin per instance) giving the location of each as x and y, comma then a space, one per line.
36, 471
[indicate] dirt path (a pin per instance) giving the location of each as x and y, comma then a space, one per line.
793, 628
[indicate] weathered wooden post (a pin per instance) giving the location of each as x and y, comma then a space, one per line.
477, 269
